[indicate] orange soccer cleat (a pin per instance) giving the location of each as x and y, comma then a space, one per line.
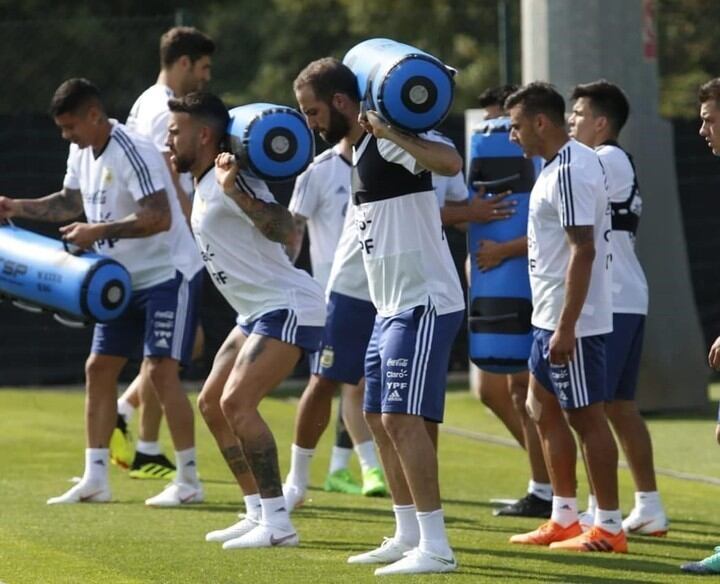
595, 540
548, 533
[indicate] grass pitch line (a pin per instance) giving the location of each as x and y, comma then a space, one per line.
491, 439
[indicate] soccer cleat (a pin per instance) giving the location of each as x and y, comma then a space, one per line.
389, 551
176, 494
294, 497
529, 506
417, 561
595, 540
587, 520
548, 533
264, 535
709, 565
83, 493
121, 446
652, 525
373, 483
341, 481
152, 466
236, 530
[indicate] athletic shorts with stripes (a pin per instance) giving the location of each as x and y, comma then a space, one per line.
406, 363
162, 317
282, 325
581, 382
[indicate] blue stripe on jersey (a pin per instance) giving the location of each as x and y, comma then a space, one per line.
243, 185
136, 161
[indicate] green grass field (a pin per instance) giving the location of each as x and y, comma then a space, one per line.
41, 441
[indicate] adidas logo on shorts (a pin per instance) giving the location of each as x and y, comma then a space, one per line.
394, 397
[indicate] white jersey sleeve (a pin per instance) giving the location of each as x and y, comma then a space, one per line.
450, 188
576, 194
397, 155
159, 130
72, 180
144, 174
254, 187
304, 200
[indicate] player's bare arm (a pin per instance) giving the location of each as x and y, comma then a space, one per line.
491, 253
294, 245
577, 282
55, 208
436, 157
272, 220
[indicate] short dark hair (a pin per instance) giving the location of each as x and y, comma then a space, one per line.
606, 99
496, 95
326, 77
710, 91
184, 40
74, 95
539, 97
206, 107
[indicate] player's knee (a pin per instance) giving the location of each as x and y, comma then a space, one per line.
95, 367
208, 406
533, 406
236, 412
163, 372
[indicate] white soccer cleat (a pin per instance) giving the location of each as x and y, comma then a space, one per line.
83, 493
263, 536
388, 552
419, 562
294, 496
586, 520
655, 524
236, 530
177, 494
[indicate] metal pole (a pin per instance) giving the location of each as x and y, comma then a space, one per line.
505, 50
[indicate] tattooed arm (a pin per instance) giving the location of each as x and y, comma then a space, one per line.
577, 282
272, 220
56, 208
153, 217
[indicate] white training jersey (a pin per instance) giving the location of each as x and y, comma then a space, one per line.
321, 195
629, 286
253, 273
128, 169
450, 188
347, 275
150, 116
406, 256
571, 190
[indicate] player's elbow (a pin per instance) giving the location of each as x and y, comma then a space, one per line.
451, 165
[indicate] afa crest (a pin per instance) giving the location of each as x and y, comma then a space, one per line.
327, 358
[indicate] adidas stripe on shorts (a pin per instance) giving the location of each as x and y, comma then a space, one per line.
282, 325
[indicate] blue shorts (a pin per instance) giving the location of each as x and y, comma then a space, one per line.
578, 384
407, 360
282, 325
345, 339
624, 346
163, 316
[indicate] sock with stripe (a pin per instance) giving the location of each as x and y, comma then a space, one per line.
609, 520
564, 510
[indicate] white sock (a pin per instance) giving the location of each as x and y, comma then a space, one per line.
96, 465
126, 410
274, 512
300, 458
433, 537
540, 490
253, 508
592, 504
564, 510
340, 458
407, 528
186, 466
366, 455
149, 448
609, 520
648, 502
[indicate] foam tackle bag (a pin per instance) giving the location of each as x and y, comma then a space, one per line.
500, 303
272, 142
410, 88
36, 272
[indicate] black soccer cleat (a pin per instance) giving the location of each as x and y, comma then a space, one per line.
529, 506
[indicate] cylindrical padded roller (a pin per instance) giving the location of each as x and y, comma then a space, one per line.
273, 142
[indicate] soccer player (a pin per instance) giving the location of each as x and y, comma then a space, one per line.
569, 265
599, 113
185, 59
505, 395
320, 202
709, 98
415, 289
240, 230
122, 184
